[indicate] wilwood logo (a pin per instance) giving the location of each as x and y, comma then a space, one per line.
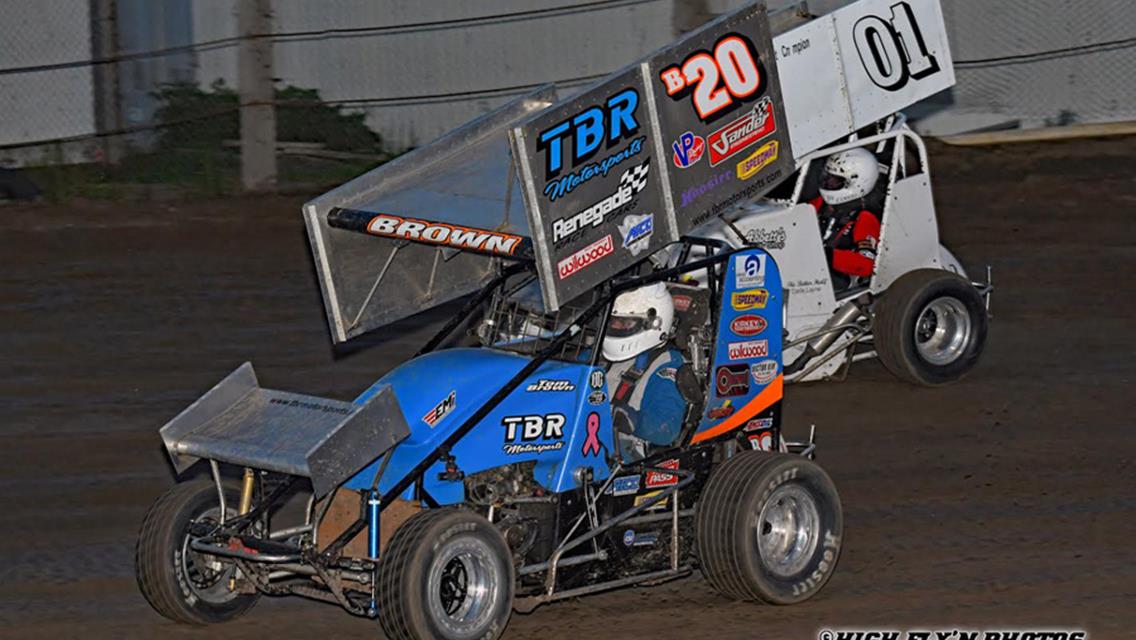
748, 349
585, 257
743, 132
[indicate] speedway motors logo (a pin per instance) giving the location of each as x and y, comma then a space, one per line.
636, 232
748, 325
450, 235
631, 182
443, 409
586, 257
740, 134
731, 380
747, 350
688, 150
760, 159
752, 299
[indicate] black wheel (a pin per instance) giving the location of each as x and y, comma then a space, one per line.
769, 528
930, 327
180, 583
447, 573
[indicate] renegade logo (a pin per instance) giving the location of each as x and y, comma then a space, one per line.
631, 182
731, 139
449, 235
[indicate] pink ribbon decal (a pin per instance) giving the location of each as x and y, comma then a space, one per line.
592, 444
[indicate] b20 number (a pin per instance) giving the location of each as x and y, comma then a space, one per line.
716, 80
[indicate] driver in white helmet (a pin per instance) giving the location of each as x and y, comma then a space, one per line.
849, 229
643, 380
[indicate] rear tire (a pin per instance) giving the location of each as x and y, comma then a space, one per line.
179, 583
930, 327
769, 528
447, 573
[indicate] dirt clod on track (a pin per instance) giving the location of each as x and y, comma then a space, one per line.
1008, 500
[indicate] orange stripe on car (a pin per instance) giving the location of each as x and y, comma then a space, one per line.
761, 402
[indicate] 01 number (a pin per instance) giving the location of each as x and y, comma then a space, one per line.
731, 73
893, 52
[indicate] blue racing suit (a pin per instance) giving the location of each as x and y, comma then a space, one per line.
645, 398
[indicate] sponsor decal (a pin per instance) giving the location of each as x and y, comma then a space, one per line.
681, 302
563, 186
688, 150
448, 235
629, 537
443, 409
667, 373
592, 440
742, 133
697, 191
596, 379
585, 257
589, 129
646, 539
747, 350
762, 441
731, 380
597, 398
636, 232
661, 504
721, 411
624, 486
752, 299
657, 479
748, 325
533, 433
764, 372
749, 270
717, 80
767, 238
551, 385
759, 160
759, 424
631, 183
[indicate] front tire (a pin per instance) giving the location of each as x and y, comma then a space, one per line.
769, 528
930, 327
447, 573
179, 583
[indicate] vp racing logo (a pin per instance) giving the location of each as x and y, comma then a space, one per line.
633, 181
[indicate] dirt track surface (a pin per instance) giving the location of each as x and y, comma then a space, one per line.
1006, 500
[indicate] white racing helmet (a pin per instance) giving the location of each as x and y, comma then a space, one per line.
640, 320
849, 175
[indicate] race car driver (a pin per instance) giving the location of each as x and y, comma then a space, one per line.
645, 375
849, 229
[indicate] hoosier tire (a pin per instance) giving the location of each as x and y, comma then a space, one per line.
769, 528
930, 327
446, 573
180, 584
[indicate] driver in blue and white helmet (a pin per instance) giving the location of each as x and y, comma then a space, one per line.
647, 406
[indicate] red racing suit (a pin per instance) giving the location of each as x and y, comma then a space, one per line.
851, 235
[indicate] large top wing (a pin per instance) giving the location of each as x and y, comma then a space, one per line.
592, 185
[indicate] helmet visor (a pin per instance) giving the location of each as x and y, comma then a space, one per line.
832, 182
624, 326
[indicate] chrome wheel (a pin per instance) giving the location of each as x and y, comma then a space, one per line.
942, 331
788, 530
463, 587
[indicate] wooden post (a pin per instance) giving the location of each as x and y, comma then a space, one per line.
104, 45
258, 117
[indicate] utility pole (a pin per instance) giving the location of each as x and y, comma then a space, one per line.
104, 45
258, 117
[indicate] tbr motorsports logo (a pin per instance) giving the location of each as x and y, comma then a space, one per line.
952, 634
